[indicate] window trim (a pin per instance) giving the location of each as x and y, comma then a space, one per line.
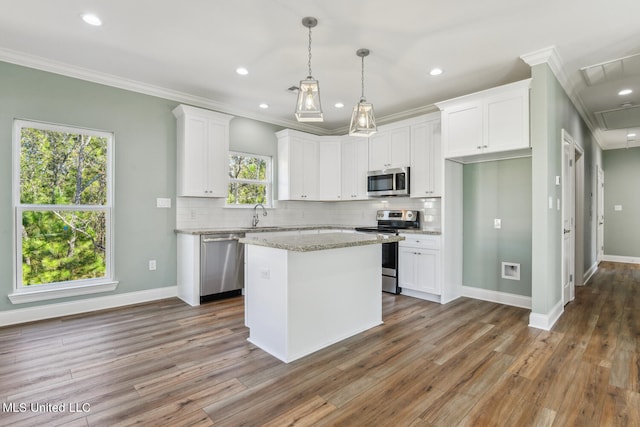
23, 293
268, 183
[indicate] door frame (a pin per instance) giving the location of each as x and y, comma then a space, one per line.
579, 215
568, 203
600, 213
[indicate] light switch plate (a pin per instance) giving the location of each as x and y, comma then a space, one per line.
617, 208
162, 202
497, 223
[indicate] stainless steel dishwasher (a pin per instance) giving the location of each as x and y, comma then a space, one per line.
221, 266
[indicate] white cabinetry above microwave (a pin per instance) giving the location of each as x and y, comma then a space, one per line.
487, 125
202, 152
390, 147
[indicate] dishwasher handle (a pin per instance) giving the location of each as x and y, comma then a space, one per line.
221, 239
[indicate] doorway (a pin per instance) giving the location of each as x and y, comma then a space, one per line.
573, 217
600, 220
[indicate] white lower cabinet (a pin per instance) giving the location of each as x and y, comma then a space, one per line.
419, 264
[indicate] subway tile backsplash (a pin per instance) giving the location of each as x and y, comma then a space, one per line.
207, 213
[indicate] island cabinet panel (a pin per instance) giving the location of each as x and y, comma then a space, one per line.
202, 152
488, 125
300, 302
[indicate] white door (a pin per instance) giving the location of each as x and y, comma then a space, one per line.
568, 214
600, 202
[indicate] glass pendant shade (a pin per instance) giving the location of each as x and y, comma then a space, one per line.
363, 121
308, 108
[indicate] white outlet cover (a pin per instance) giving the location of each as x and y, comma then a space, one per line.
617, 208
497, 223
162, 202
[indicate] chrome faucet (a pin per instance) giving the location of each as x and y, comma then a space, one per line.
256, 220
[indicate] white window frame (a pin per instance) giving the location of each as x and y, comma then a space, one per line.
268, 183
23, 293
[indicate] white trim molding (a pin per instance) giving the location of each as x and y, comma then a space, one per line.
546, 321
619, 258
589, 273
23, 297
549, 55
49, 311
497, 296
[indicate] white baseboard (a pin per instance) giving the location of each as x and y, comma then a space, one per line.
589, 273
422, 295
49, 311
618, 258
497, 296
546, 321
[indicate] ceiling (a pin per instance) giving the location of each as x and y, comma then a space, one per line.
189, 51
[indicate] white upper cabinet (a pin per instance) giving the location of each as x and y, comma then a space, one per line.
355, 164
202, 152
487, 125
297, 166
426, 158
390, 147
329, 165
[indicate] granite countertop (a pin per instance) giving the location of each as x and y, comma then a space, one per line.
259, 229
318, 242
232, 230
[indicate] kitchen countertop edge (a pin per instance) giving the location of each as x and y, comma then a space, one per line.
318, 242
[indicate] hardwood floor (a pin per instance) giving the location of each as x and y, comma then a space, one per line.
468, 363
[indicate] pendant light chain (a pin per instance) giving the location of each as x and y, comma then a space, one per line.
310, 52
362, 77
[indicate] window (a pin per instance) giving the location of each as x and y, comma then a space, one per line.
63, 202
249, 180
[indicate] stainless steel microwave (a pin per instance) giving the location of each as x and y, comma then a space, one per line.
388, 182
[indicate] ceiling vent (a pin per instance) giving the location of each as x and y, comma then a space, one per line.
620, 118
612, 70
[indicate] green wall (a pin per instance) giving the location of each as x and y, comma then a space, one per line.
622, 187
499, 189
145, 145
551, 110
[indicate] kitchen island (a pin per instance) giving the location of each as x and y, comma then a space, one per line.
306, 292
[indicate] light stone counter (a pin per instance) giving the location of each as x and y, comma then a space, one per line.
318, 242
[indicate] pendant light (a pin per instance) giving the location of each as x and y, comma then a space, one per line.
363, 122
308, 108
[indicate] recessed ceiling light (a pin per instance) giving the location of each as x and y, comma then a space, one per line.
91, 19
242, 71
264, 105
435, 71
338, 105
625, 92
631, 135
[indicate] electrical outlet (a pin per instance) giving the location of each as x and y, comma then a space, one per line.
497, 223
265, 273
163, 202
152, 264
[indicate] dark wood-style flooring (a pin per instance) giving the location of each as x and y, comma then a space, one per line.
470, 363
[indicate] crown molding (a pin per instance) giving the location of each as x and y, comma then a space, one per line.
67, 70
550, 56
86, 74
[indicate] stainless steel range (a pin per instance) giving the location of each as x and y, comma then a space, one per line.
392, 222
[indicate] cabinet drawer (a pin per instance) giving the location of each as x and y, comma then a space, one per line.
424, 241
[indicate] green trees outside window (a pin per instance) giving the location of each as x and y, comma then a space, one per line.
63, 205
249, 179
